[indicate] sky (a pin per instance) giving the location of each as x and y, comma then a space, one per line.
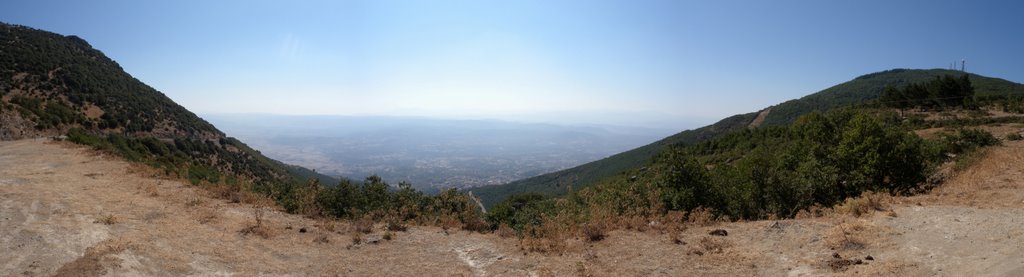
666, 64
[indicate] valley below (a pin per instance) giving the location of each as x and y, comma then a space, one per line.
431, 154
70, 211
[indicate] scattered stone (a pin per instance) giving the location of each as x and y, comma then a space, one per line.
869, 258
836, 255
719, 232
302, 230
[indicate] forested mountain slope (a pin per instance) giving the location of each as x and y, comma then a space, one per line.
54, 85
860, 90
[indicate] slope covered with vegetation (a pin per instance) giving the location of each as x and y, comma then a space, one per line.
858, 91
52, 84
817, 162
59, 85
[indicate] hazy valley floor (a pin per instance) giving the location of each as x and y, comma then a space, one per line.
65, 210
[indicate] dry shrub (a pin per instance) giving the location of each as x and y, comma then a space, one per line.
357, 238
701, 216
447, 222
814, 211
387, 235
322, 238
249, 197
97, 260
582, 270
307, 203
107, 220
193, 200
328, 225
711, 245
676, 237
393, 224
594, 231
868, 202
637, 223
151, 190
205, 215
226, 192
362, 225
848, 235
476, 225
259, 207
504, 231
673, 224
547, 237
671, 219
258, 230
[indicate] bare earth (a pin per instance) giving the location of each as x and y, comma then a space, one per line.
68, 211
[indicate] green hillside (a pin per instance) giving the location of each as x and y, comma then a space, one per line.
857, 91
54, 85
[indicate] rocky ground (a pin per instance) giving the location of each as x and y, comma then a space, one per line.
69, 211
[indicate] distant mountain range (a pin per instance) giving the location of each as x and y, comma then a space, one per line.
857, 91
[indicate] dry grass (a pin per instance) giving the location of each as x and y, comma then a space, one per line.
504, 231
322, 238
594, 231
867, 203
329, 225
394, 224
548, 237
109, 219
853, 235
969, 159
814, 211
226, 192
476, 225
710, 245
702, 217
357, 238
259, 207
151, 190
363, 225
193, 201
205, 215
96, 259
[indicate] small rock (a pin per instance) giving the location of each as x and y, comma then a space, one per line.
869, 258
836, 255
302, 230
719, 232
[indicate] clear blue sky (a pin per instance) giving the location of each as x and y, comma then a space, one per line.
658, 63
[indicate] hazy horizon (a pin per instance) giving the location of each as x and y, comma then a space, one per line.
661, 64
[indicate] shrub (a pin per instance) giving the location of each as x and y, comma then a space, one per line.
504, 231
594, 231
1014, 136
396, 225
363, 225
868, 202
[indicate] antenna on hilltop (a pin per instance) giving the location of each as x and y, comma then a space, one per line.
962, 63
